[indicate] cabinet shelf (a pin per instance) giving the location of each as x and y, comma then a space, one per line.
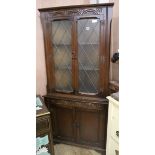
61, 44
88, 44
89, 69
83, 44
63, 68
85, 69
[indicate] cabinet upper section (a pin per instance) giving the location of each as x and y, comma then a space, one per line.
77, 47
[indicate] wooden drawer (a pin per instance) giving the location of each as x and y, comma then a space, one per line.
42, 124
94, 105
115, 123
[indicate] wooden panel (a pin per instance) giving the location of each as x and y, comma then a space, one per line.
91, 127
79, 98
63, 123
78, 121
88, 120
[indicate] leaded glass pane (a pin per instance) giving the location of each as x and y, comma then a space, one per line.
88, 55
61, 40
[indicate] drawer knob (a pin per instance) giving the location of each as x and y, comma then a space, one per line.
117, 133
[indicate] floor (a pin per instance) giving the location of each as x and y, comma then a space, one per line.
62, 149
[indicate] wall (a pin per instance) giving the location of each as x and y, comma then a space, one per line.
40, 57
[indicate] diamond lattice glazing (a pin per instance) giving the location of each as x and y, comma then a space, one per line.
61, 39
88, 55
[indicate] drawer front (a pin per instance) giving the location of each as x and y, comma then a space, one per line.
115, 123
76, 104
42, 124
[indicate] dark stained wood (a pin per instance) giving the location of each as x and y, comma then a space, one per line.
75, 6
79, 98
104, 14
103, 71
64, 122
89, 125
79, 119
43, 123
46, 25
108, 38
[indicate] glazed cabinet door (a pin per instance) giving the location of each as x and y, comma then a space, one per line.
90, 46
77, 46
91, 127
58, 40
63, 123
62, 54
76, 55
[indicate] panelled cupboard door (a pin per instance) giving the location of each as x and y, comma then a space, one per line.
90, 127
63, 123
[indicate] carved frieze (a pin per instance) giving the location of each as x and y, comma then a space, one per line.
75, 11
77, 104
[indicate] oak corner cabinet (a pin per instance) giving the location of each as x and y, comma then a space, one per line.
77, 51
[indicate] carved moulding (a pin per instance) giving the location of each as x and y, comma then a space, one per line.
76, 11
77, 104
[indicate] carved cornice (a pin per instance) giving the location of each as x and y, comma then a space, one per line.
58, 13
92, 11
76, 11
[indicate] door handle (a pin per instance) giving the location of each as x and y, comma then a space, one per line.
117, 133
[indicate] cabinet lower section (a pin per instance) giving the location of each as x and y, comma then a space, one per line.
80, 121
